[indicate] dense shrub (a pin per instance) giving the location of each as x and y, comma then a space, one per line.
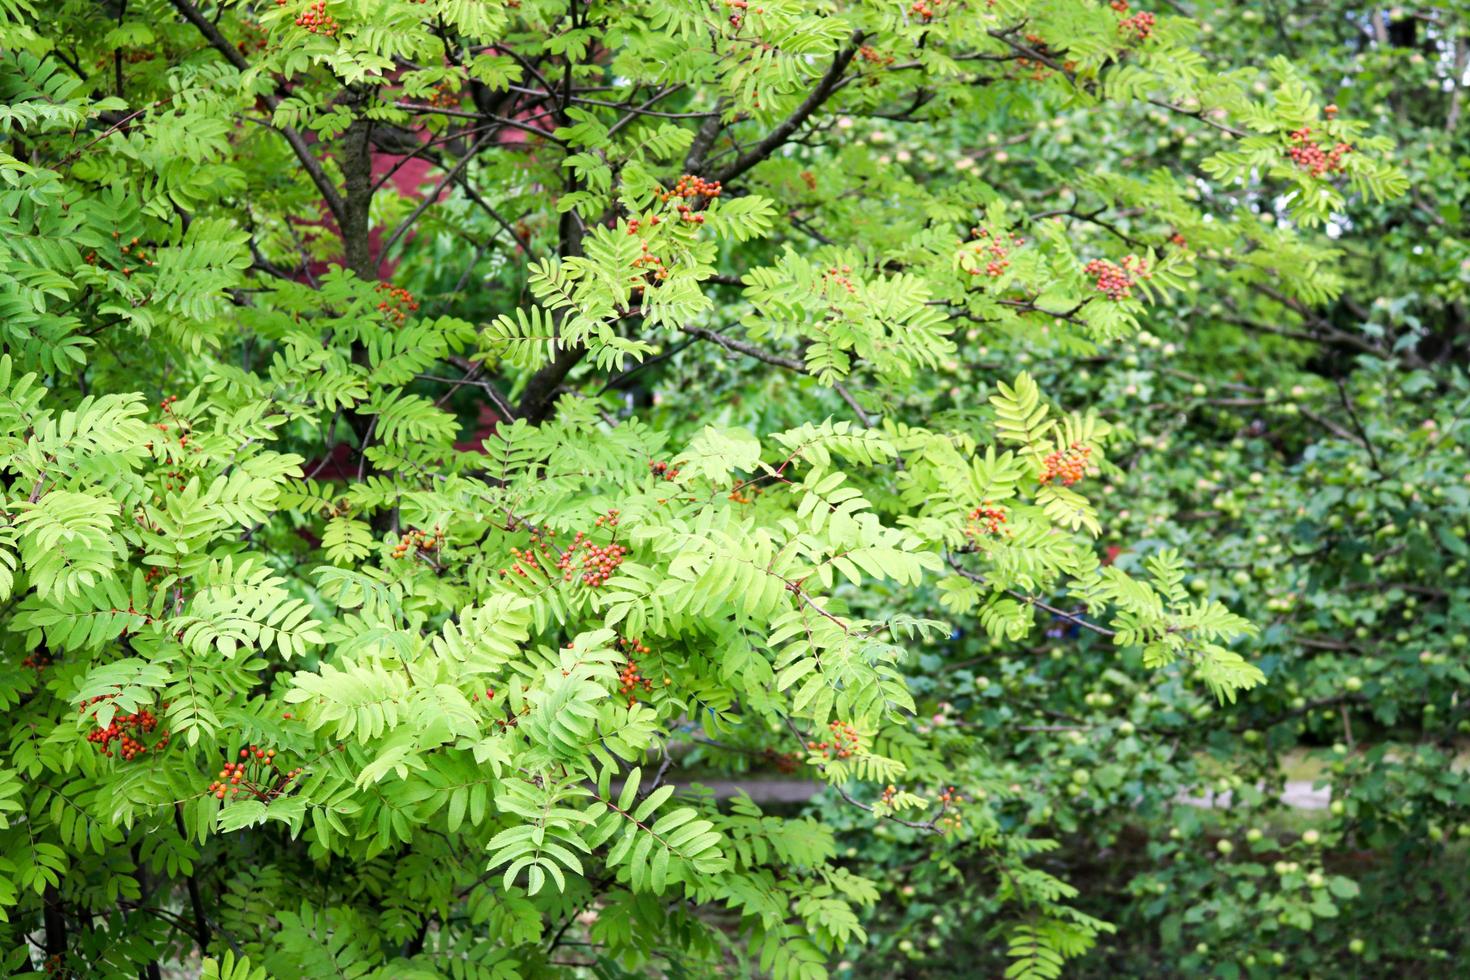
433, 433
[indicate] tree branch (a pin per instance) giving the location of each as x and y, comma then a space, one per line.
309, 162
791, 123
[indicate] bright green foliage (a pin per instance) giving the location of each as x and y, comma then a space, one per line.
456, 574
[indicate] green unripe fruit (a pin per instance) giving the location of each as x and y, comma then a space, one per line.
1337, 808
1224, 847
1254, 834
904, 946
1199, 390
1081, 777
1202, 948
1126, 728
933, 942
1356, 946
1241, 577
1353, 684
1310, 838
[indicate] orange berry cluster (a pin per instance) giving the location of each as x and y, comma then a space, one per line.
739, 496
1121, 6
316, 19
445, 95
687, 187
840, 276
925, 9
664, 470
415, 540
1307, 155
635, 223
127, 731
648, 262
950, 798
843, 742
398, 304
1117, 281
985, 519
870, 54
36, 661
527, 560
1178, 240
1067, 467
889, 792
1140, 25
809, 179
630, 677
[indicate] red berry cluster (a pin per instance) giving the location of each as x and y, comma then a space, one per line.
127, 731
1121, 6
1067, 467
844, 742
985, 519
597, 562
255, 38
316, 19
631, 678
1116, 281
635, 223
998, 251
665, 470
415, 540
398, 304
593, 562
489, 695
786, 762
925, 9
687, 187
255, 773
737, 19
1140, 25
168, 409
36, 661
1178, 240
1307, 155
132, 250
